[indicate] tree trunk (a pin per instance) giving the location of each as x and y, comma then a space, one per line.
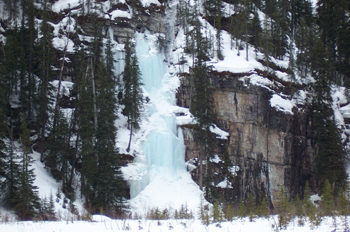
59, 84
200, 170
94, 95
128, 149
246, 30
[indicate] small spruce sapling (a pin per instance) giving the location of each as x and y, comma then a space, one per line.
229, 213
327, 202
343, 208
242, 209
216, 213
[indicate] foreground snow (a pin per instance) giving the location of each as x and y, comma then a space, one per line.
102, 223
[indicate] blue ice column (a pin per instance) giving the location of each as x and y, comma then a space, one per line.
164, 149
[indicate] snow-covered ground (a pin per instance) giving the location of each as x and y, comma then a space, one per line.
102, 223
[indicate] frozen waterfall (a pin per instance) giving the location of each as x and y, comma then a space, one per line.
161, 178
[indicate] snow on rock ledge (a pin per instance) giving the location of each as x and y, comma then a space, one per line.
147, 3
225, 184
220, 134
183, 116
215, 159
64, 4
281, 104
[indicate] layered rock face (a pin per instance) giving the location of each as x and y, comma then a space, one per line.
272, 149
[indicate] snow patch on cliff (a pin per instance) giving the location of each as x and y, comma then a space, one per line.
220, 134
62, 5
282, 104
147, 3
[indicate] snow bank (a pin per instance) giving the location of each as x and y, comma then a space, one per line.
163, 193
48, 186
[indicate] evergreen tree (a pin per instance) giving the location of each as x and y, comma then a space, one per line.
216, 213
10, 65
343, 208
262, 210
27, 200
45, 55
28, 37
242, 209
84, 115
60, 157
92, 69
101, 179
109, 183
304, 39
132, 90
310, 209
327, 202
298, 206
10, 186
283, 209
256, 31
250, 207
330, 153
204, 212
333, 22
51, 208
203, 110
306, 198
2, 147
227, 165
229, 213
239, 25
214, 12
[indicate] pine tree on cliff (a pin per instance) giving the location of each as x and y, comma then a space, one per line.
214, 11
45, 59
132, 90
202, 107
330, 155
333, 20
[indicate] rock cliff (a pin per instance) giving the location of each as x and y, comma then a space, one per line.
272, 149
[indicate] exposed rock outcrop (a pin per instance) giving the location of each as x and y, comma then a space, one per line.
273, 149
